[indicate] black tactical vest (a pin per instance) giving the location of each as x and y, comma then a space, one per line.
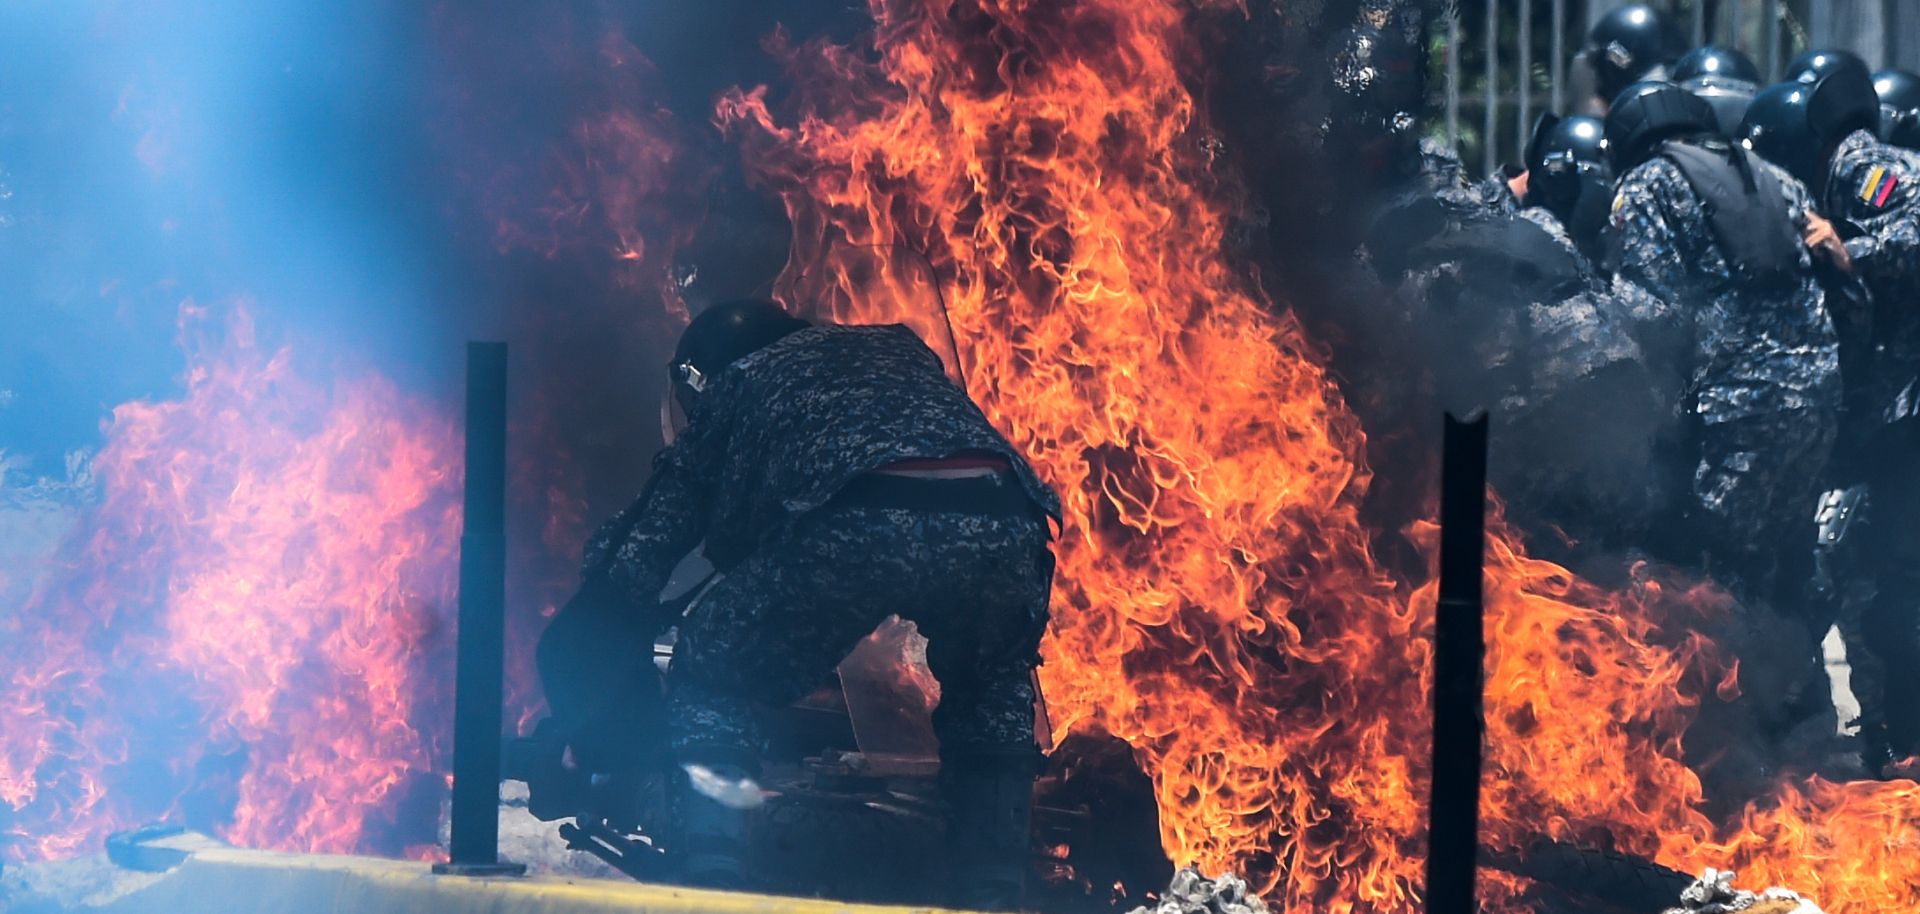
1746, 209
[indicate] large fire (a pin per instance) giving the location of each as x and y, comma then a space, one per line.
259, 597
1218, 606
252, 620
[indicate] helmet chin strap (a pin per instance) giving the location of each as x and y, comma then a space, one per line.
667, 431
686, 373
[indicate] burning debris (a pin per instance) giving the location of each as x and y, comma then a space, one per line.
1192, 893
1714, 894
1234, 602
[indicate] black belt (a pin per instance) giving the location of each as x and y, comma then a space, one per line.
999, 495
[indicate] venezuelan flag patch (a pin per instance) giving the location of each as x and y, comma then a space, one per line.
1877, 189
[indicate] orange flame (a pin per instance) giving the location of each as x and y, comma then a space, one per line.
262, 590
1850, 847
619, 192
280, 547
1217, 604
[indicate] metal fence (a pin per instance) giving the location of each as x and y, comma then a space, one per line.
1504, 61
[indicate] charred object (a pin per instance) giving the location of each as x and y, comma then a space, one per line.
851, 805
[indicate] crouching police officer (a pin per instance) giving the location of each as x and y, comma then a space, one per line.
836, 477
1823, 129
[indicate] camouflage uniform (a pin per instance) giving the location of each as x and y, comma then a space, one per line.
775, 438
1509, 315
1874, 188
1757, 406
1443, 175
1583, 409
1762, 374
1414, 232
1495, 193
766, 633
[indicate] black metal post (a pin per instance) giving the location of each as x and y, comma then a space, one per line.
1489, 137
480, 669
1459, 649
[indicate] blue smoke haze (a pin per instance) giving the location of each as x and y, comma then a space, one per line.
156, 152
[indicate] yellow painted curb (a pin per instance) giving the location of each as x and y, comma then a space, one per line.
225, 880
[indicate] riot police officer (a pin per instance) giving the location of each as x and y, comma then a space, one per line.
1724, 78
1632, 43
1569, 177
1821, 127
836, 476
1711, 231
1899, 92
1824, 130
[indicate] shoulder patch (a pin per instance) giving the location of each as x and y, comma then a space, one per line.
1878, 186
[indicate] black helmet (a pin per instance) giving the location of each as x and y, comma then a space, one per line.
1899, 93
1845, 100
1629, 44
1568, 173
1795, 124
1562, 150
1815, 64
1715, 60
1647, 113
721, 335
1727, 97
1777, 127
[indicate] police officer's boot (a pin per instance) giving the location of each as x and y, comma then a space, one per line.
716, 800
989, 794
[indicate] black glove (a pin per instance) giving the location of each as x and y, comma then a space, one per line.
596, 665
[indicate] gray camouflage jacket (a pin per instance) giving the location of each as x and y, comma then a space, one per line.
1750, 355
1876, 188
778, 434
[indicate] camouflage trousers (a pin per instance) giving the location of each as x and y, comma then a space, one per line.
776, 626
1755, 489
1883, 633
